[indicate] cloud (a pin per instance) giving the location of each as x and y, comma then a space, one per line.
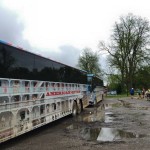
69, 54
11, 28
11, 31
66, 54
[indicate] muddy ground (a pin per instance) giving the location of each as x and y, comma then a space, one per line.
115, 124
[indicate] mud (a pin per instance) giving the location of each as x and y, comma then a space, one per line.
113, 124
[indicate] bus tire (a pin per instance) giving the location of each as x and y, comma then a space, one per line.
80, 106
74, 109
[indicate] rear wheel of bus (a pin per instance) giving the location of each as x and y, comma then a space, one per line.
80, 106
74, 109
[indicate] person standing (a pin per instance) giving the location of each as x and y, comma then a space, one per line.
132, 92
139, 93
143, 93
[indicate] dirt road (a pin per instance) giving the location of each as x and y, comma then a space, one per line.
115, 124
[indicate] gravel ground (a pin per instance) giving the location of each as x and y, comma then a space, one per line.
114, 124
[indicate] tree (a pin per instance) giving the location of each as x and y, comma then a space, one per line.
113, 83
143, 77
128, 50
89, 61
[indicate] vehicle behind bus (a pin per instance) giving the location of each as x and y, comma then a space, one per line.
95, 88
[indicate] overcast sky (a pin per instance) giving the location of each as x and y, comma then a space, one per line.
61, 29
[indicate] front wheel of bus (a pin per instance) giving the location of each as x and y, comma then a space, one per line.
74, 109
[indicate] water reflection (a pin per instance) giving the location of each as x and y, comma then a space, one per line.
92, 117
89, 133
96, 114
108, 117
108, 106
102, 116
107, 134
112, 134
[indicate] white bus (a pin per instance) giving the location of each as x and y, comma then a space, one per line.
35, 91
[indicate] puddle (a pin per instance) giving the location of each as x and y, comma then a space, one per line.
72, 126
109, 117
102, 134
90, 133
115, 105
100, 116
106, 117
111, 134
96, 114
107, 134
127, 105
108, 106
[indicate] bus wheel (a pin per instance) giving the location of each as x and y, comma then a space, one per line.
80, 107
74, 109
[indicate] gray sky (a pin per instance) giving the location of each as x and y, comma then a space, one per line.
60, 29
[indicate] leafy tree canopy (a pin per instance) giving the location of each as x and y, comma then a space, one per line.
89, 61
129, 50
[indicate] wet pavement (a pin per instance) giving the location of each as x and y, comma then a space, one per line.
112, 124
